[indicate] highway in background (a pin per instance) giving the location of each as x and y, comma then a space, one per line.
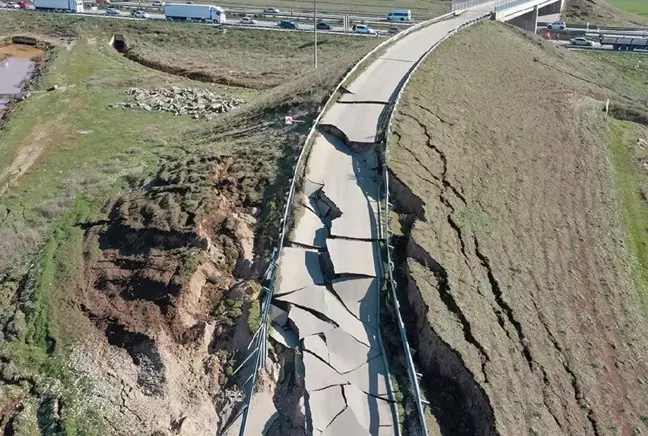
262, 20
280, 15
258, 24
230, 22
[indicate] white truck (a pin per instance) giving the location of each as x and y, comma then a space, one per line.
194, 12
74, 6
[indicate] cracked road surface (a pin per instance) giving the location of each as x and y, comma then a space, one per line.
326, 296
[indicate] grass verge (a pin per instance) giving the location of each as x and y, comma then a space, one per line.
628, 153
633, 6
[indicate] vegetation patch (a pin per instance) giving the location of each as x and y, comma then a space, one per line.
628, 144
635, 7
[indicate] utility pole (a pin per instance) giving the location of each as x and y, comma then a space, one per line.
315, 31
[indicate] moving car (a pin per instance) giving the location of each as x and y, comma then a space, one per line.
393, 30
247, 20
12, 5
557, 25
159, 3
364, 29
324, 26
271, 11
140, 14
400, 15
288, 25
581, 41
112, 11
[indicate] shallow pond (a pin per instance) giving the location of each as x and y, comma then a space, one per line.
17, 64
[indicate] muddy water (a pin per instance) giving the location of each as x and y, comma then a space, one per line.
16, 65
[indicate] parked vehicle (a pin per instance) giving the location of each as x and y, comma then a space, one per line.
364, 29
558, 25
624, 43
112, 11
393, 30
141, 15
581, 41
247, 20
191, 12
271, 11
74, 6
324, 26
400, 15
288, 25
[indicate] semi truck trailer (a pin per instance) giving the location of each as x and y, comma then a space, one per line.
75, 6
194, 12
625, 43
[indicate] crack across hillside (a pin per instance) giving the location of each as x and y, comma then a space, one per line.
457, 401
504, 306
445, 293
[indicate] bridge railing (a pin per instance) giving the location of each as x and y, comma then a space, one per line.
510, 4
458, 6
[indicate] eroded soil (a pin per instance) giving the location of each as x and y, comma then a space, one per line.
161, 310
527, 316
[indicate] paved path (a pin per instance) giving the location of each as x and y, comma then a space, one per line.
326, 297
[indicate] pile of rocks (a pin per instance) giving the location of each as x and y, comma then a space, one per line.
195, 102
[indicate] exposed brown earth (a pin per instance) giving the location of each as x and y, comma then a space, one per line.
527, 316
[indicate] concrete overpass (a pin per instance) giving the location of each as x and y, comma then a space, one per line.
524, 13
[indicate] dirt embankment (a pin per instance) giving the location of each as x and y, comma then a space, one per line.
598, 12
158, 269
527, 317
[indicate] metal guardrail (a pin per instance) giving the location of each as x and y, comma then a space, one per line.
260, 351
387, 207
500, 5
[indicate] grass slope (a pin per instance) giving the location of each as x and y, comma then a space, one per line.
520, 253
633, 6
610, 13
